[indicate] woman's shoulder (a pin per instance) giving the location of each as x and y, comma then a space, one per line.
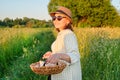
67, 32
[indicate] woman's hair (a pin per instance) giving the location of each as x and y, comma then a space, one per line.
69, 26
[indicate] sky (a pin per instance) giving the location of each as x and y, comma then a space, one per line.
116, 4
24, 8
30, 8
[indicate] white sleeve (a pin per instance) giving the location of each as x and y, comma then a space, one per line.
71, 47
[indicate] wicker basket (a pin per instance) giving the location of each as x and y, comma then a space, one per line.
46, 70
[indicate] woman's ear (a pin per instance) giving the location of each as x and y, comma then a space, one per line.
67, 21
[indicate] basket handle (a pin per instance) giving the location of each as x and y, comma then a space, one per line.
44, 63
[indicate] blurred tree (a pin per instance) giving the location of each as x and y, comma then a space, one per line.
7, 22
91, 13
30, 24
0, 22
25, 20
18, 21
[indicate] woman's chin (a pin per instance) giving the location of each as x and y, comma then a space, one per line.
57, 27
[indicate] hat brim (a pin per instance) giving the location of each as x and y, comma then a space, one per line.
53, 13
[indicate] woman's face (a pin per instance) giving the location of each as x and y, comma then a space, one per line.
60, 21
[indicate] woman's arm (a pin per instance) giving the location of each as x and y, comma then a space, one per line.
58, 56
71, 47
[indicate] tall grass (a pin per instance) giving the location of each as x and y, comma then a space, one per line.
13, 43
20, 69
99, 50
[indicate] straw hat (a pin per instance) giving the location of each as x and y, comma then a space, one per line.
63, 10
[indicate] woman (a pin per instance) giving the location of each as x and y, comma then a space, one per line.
65, 46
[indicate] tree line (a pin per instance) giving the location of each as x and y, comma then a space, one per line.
25, 22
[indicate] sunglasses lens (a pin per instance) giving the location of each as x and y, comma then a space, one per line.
59, 18
53, 18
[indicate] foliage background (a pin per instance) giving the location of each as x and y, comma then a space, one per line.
89, 13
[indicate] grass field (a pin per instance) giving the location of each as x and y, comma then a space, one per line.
99, 50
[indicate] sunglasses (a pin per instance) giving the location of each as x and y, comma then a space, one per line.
59, 18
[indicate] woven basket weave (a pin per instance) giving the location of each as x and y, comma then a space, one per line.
46, 70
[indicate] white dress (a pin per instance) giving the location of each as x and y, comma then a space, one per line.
66, 43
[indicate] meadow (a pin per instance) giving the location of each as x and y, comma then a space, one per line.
99, 50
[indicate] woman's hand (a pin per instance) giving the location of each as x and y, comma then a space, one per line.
47, 55
53, 59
